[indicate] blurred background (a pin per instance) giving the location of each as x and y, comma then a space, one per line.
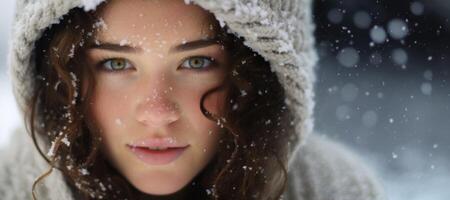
382, 88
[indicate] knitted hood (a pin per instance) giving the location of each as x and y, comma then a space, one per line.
280, 31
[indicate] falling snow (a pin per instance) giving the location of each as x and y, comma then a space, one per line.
348, 57
398, 29
378, 34
84, 172
51, 151
362, 20
124, 42
119, 122
65, 141
417, 8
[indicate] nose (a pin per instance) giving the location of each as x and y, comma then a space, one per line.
157, 110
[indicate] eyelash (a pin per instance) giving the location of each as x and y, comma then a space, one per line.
212, 64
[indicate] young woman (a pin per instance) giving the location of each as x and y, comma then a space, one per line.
170, 99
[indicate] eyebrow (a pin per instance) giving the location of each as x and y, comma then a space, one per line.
185, 46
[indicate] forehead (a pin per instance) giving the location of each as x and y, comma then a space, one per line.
155, 20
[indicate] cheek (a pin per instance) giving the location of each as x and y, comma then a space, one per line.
190, 100
205, 134
193, 90
215, 102
109, 108
207, 131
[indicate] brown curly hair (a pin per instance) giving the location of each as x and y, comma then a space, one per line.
252, 156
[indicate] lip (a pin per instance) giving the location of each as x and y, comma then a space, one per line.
162, 143
157, 157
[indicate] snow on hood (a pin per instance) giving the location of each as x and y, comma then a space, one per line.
88, 5
280, 31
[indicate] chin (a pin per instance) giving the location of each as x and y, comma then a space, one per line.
159, 187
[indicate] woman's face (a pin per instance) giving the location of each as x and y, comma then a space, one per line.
153, 61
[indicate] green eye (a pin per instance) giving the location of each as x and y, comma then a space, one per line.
116, 64
197, 63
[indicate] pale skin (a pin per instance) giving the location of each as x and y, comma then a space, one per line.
148, 87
